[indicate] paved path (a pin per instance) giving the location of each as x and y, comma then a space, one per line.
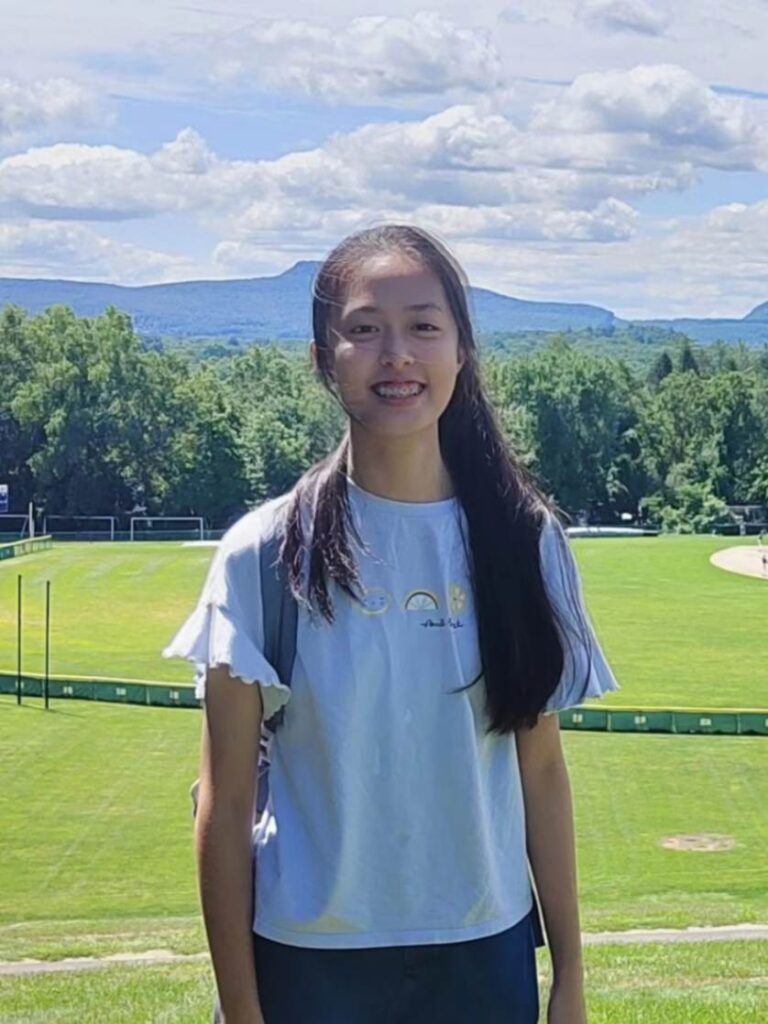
722, 933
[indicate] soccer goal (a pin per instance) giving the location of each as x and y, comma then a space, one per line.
13, 526
80, 527
167, 527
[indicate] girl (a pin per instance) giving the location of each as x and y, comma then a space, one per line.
417, 762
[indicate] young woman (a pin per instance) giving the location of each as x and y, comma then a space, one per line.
417, 765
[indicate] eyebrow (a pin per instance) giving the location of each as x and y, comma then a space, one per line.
418, 305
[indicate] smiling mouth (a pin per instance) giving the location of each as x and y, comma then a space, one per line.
398, 390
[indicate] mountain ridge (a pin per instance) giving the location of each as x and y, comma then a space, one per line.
278, 307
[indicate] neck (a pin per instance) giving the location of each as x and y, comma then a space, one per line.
408, 468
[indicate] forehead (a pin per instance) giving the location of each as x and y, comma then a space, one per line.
391, 282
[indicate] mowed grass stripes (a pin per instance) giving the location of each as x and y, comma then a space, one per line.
95, 822
677, 630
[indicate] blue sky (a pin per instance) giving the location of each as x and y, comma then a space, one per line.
604, 151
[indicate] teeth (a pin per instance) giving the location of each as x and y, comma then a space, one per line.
397, 392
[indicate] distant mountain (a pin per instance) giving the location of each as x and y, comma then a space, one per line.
758, 313
260, 307
279, 308
495, 312
752, 329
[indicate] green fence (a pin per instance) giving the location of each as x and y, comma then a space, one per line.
15, 548
705, 721
738, 722
114, 691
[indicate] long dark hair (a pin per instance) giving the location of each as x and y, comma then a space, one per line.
521, 648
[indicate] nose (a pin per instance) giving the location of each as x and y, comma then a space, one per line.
395, 350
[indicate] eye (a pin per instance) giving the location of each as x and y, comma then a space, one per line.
430, 326
359, 326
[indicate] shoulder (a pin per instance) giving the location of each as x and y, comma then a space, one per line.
235, 570
557, 561
552, 534
253, 528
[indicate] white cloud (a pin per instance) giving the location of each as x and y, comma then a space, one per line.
638, 16
659, 108
157, 49
712, 265
188, 153
719, 41
665, 269
571, 173
40, 107
48, 248
370, 59
110, 183
540, 206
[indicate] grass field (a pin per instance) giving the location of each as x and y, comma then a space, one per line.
96, 828
710, 983
677, 630
95, 825
96, 858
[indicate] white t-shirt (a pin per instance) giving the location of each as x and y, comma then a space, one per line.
393, 818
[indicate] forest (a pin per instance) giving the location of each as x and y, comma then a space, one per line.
93, 421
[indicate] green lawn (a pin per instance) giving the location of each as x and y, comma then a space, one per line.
96, 858
96, 832
113, 607
708, 983
677, 631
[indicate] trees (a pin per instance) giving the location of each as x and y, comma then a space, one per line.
687, 362
91, 421
662, 367
579, 425
106, 421
285, 420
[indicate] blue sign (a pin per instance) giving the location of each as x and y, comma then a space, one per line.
3, 497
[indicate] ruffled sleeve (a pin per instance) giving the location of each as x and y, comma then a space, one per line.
226, 627
586, 672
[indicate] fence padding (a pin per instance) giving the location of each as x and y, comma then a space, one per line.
16, 548
748, 722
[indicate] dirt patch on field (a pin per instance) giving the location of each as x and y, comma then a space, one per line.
745, 560
701, 842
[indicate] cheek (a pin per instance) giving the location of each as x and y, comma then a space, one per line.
444, 369
352, 366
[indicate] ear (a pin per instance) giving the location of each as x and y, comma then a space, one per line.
313, 356
460, 357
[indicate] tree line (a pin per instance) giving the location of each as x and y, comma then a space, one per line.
93, 422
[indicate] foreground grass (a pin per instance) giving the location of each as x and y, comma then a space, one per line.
57, 939
706, 983
96, 850
677, 630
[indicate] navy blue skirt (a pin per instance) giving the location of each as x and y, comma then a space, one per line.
491, 979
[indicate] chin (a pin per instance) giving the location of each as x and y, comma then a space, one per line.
384, 426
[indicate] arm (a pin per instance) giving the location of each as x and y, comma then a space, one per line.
551, 851
229, 755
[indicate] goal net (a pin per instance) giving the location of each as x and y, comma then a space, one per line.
80, 527
13, 526
167, 528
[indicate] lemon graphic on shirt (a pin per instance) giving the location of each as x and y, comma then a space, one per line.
421, 601
457, 598
375, 601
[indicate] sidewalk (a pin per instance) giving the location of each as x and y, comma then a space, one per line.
721, 933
